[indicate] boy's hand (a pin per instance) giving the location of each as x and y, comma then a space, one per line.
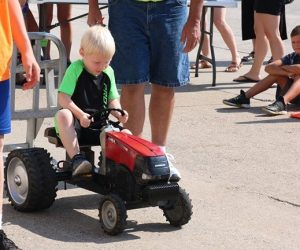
292, 69
122, 118
85, 120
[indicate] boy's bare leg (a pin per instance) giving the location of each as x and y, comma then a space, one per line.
261, 86
293, 91
67, 132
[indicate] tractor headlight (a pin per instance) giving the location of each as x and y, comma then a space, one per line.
147, 177
151, 168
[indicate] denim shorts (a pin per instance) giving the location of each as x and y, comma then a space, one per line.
5, 116
148, 47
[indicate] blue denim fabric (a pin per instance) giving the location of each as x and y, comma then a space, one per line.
148, 47
5, 116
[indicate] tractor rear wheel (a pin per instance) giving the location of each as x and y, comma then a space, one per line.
30, 180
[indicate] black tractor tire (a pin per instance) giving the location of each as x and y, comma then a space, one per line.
180, 212
30, 180
112, 214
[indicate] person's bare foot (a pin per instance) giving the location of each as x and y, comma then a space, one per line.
234, 66
202, 65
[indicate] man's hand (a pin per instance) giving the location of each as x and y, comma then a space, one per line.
94, 15
191, 30
190, 35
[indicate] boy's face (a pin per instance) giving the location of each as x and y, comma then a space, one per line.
296, 43
94, 63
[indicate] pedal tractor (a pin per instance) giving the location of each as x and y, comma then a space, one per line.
135, 175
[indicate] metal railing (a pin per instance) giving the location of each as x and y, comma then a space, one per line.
35, 115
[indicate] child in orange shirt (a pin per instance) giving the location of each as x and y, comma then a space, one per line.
12, 29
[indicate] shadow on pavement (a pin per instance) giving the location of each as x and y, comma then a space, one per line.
66, 221
271, 120
254, 110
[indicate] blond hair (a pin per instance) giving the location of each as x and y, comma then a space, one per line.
98, 39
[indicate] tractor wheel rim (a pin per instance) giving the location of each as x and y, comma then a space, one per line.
109, 215
17, 180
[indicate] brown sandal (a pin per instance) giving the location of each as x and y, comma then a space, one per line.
202, 65
233, 67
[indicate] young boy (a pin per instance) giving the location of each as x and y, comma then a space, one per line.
12, 28
284, 72
88, 83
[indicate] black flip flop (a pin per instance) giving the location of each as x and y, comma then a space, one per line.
244, 79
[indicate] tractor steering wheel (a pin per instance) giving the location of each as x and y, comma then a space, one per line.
101, 117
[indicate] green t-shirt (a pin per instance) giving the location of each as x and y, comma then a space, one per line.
77, 76
86, 90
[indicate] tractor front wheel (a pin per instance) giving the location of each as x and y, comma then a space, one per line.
112, 214
179, 212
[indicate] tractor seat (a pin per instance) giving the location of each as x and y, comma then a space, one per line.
50, 133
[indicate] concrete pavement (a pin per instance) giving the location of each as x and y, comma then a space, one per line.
240, 167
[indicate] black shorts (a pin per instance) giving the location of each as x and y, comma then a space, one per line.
272, 7
89, 136
282, 92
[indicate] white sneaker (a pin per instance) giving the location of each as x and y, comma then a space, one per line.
174, 172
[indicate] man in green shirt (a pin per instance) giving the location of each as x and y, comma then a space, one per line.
152, 41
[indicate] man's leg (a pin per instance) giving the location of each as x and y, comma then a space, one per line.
160, 113
31, 23
63, 14
133, 101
